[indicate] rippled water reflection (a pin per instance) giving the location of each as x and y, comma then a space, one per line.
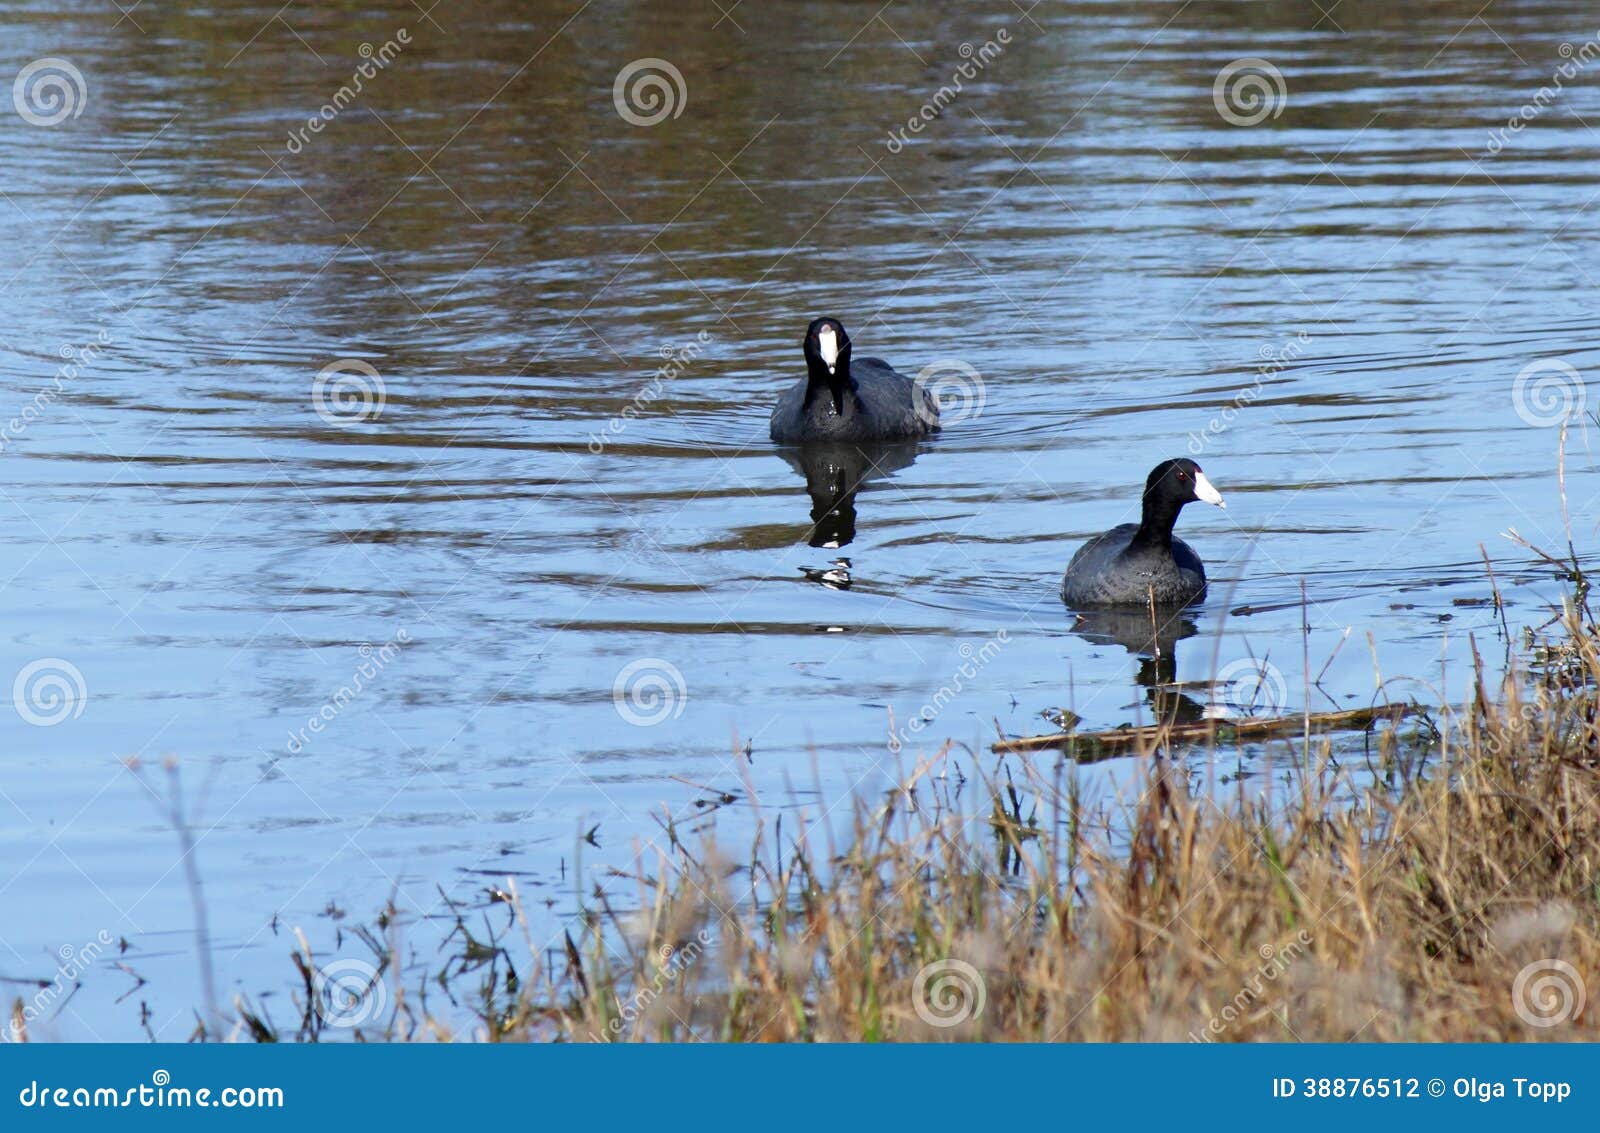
579, 325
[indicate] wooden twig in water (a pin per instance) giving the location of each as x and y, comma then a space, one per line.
1088, 747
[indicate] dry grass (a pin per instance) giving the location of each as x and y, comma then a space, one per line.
1433, 882
1379, 900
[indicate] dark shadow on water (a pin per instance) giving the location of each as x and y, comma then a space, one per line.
1152, 638
834, 475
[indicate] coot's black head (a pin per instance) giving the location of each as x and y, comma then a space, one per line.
1174, 483
826, 342
1171, 484
828, 358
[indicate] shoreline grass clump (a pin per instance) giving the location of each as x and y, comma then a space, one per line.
1321, 899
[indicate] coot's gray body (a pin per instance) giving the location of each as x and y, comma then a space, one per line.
1135, 564
1109, 570
851, 401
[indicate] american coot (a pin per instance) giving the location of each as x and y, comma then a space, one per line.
838, 401
1135, 562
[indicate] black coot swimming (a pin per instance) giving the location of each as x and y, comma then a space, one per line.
1136, 562
844, 401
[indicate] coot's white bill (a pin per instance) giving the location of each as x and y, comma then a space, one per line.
828, 346
1205, 491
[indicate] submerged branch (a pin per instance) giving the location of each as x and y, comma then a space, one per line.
1090, 746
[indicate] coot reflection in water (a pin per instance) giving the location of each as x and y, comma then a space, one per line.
1152, 637
834, 473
